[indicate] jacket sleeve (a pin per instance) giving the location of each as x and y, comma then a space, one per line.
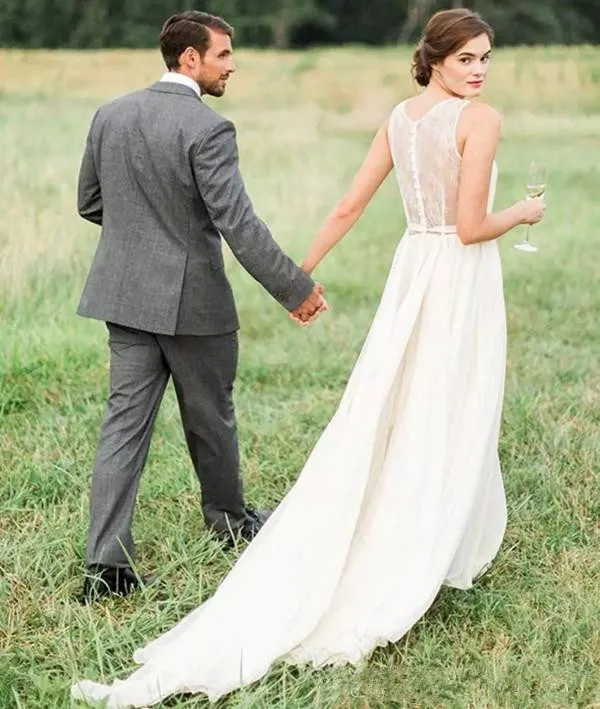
89, 194
216, 169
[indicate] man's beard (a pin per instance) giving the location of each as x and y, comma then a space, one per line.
215, 88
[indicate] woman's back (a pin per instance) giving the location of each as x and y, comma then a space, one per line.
427, 163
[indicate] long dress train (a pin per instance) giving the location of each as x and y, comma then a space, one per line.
403, 488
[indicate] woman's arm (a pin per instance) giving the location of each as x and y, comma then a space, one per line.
346, 212
482, 125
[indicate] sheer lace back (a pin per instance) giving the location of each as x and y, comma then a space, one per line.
427, 165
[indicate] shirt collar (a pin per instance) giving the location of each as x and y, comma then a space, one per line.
177, 78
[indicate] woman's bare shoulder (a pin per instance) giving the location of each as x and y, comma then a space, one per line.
481, 115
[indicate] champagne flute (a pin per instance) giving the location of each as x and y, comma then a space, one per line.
536, 186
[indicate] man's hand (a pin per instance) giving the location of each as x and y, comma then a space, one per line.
311, 308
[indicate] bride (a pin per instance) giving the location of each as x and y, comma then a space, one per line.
403, 488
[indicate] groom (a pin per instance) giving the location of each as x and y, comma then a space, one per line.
160, 176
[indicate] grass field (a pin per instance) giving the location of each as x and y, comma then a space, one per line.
528, 634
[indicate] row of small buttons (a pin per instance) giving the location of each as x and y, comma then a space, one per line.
413, 162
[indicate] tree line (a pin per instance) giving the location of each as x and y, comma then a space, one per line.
288, 23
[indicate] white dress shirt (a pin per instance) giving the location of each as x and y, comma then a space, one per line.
177, 78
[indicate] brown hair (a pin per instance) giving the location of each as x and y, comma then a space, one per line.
446, 32
189, 29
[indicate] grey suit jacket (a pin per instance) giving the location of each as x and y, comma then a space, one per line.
160, 175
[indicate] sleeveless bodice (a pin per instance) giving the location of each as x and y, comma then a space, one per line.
427, 165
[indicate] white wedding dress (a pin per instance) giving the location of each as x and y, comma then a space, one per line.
403, 491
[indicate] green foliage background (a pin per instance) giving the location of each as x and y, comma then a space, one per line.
285, 23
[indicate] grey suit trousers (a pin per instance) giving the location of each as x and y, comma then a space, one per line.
203, 370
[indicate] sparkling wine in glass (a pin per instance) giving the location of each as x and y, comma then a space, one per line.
536, 187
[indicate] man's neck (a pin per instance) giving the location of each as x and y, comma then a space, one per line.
181, 72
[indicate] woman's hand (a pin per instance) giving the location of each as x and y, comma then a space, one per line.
532, 210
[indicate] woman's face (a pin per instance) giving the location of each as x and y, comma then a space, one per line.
464, 72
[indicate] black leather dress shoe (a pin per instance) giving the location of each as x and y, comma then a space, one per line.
258, 516
102, 581
245, 529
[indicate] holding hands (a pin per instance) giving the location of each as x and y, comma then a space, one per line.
311, 308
